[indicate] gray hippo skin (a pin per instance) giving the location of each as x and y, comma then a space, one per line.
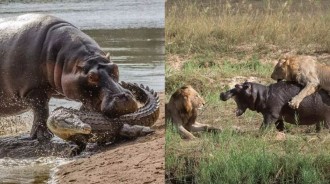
43, 56
272, 102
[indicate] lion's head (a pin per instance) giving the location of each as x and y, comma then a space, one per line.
186, 98
282, 70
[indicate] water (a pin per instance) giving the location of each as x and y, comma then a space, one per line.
30, 170
132, 31
99, 14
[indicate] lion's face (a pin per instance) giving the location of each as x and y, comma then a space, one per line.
188, 99
196, 100
281, 70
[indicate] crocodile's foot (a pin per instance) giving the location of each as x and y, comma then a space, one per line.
132, 131
76, 149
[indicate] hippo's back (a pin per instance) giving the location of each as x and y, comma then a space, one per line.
26, 29
313, 109
33, 24
22, 53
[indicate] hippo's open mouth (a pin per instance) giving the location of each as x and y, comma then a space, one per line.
115, 105
239, 111
226, 95
231, 94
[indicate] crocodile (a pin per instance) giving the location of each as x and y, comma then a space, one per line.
82, 126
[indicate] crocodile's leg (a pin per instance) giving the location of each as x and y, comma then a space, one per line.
81, 142
75, 149
132, 131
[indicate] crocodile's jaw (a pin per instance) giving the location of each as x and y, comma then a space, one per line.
66, 133
65, 126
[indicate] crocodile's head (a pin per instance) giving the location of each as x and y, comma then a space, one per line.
65, 125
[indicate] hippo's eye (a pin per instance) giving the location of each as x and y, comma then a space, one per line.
246, 86
93, 78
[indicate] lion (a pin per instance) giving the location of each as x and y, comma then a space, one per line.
182, 110
306, 71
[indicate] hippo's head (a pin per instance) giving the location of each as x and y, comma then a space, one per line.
243, 96
94, 82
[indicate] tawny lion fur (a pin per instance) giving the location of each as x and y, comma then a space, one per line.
182, 111
306, 71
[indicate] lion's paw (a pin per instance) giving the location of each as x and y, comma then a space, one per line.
294, 103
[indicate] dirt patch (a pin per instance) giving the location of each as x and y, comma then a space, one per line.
137, 161
175, 61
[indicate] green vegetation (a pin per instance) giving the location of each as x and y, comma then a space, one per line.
206, 75
221, 26
250, 158
208, 44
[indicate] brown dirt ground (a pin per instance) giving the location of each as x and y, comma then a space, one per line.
138, 161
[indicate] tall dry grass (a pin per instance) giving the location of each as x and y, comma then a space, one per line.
220, 26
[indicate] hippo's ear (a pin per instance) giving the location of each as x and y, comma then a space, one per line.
108, 56
80, 67
238, 86
93, 78
246, 85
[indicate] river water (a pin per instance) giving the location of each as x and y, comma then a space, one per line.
132, 31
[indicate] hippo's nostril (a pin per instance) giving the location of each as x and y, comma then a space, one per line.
222, 96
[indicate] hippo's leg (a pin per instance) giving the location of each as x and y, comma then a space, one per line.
198, 127
268, 120
38, 101
320, 125
326, 124
279, 125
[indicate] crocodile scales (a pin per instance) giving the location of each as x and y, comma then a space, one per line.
81, 126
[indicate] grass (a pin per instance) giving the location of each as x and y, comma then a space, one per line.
223, 25
209, 79
214, 44
249, 158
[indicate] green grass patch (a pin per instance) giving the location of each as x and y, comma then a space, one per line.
250, 158
207, 78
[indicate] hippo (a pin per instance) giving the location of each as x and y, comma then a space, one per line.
43, 56
272, 102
